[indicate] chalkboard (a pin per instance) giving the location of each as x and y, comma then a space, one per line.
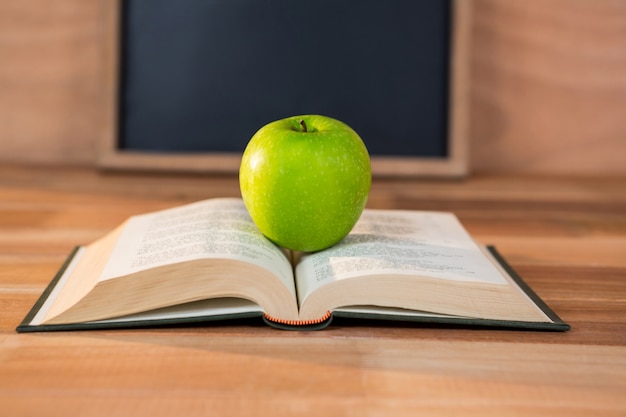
199, 77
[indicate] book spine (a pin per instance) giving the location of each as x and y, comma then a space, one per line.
314, 324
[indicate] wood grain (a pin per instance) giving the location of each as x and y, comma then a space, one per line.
547, 84
565, 236
50, 80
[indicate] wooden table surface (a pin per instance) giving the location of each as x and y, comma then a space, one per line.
566, 237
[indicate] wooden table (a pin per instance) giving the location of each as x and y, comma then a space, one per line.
566, 237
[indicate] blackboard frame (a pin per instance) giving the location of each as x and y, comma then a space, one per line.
454, 164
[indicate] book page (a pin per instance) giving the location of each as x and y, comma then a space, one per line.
218, 228
202, 308
392, 242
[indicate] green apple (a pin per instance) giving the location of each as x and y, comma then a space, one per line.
305, 181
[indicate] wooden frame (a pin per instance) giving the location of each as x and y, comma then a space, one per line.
455, 165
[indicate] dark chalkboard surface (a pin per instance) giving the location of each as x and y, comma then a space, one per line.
201, 76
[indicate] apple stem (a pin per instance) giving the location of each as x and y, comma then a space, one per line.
303, 124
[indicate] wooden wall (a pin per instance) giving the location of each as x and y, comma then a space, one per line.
548, 84
50, 80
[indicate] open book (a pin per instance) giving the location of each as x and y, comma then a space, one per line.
208, 261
